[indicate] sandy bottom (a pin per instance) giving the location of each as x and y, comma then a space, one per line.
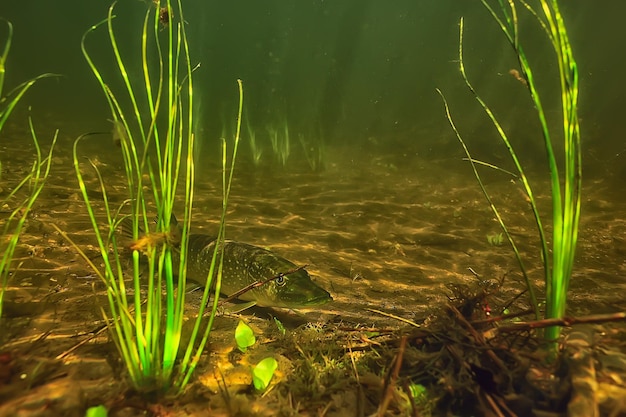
380, 232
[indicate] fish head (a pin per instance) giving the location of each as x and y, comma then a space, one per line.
291, 287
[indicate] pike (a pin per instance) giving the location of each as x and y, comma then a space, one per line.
272, 281
249, 273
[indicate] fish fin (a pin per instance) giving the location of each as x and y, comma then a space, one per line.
176, 233
173, 220
239, 307
191, 286
125, 228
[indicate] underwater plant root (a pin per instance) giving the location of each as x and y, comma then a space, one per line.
474, 365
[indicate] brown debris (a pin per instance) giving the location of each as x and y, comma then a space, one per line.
473, 364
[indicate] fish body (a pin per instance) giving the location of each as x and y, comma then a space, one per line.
245, 264
284, 284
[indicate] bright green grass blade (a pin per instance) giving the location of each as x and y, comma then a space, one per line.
148, 328
36, 178
566, 184
16, 220
192, 354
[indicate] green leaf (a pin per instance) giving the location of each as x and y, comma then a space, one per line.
97, 411
263, 372
418, 392
244, 336
280, 326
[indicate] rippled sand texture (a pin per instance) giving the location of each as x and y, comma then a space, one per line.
378, 231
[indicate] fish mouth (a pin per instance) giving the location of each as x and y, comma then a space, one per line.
308, 302
316, 301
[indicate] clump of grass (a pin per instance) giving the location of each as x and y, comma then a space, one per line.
495, 239
255, 147
32, 183
147, 326
321, 367
21, 206
565, 184
314, 152
281, 143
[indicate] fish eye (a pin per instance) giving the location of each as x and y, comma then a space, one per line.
280, 280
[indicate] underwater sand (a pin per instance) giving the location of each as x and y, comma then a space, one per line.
378, 231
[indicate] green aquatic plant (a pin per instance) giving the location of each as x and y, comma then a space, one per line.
244, 336
421, 399
281, 143
565, 184
9, 100
255, 147
285, 144
263, 372
34, 180
280, 326
495, 239
97, 411
21, 206
159, 149
314, 152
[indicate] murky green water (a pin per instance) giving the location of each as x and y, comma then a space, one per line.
374, 195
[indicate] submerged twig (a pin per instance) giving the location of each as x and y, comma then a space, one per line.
382, 409
478, 338
494, 319
494, 406
492, 166
91, 335
382, 313
562, 322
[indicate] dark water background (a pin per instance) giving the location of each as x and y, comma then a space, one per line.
349, 72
